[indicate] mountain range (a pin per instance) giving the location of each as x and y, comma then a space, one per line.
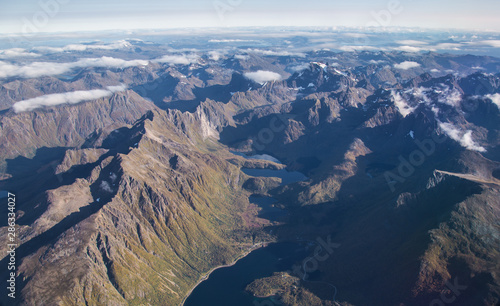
133, 197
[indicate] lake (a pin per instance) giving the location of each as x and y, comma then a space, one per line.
287, 177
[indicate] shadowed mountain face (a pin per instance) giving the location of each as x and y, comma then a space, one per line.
132, 198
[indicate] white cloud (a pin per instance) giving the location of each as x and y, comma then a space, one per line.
448, 46
411, 42
110, 62
241, 57
215, 55
360, 48
323, 46
300, 67
229, 40
16, 52
121, 44
495, 99
275, 53
452, 98
490, 43
464, 138
66, 98
409, 49
406, 65
421, 94
355, 35
445, 95
435, 110
416, 46
106, 187
402, 105
37, 69
374, 62
184, 59
262, 76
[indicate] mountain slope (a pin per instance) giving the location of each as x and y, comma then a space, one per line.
156, 217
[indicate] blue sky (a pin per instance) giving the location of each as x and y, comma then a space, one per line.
32, 16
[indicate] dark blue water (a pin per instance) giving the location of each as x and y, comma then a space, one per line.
287, 177
226, 286
269, 211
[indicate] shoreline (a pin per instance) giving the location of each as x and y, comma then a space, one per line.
207, 275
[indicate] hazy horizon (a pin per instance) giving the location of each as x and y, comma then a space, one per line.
32, 17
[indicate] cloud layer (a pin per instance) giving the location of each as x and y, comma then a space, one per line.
262, 76
66, 98
406, 65
38, 69
121, 44
16, 52
184, 59
275, 53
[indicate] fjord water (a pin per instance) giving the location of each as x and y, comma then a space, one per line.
226, 286
3, 194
